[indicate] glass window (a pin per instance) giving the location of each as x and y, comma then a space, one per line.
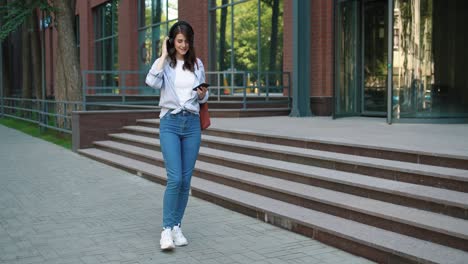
346, 77
374, 57
172, 10
106, 43
430, 59
248, 37
155, 19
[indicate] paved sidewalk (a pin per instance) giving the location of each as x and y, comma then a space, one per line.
59, 207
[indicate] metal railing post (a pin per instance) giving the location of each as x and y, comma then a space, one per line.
267, 88
1, 104
46, 116
232, 82
43, 71
64, 115
36, 107
259, 83
124, 87
289, 89
38, 111
244, 84
83, 76
219, 87
1, 81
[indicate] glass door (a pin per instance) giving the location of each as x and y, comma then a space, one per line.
347, 83
374, 57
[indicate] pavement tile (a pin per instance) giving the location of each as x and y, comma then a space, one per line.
255, 256
67, 209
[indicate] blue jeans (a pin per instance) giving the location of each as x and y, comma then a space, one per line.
180, 137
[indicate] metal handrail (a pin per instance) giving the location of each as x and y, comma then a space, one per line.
250, 81
41, 112
244, 84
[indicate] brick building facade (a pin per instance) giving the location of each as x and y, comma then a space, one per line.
197, 13
359, 65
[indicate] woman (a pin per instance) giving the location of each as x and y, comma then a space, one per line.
177, 72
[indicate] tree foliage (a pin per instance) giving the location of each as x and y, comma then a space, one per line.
247, 36
15, 12
67, 79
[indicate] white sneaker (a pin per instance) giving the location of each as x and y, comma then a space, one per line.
179, 239
166, 240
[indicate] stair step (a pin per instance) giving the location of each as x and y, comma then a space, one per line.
444, 228
432, 175
433, 196
321, 226
420, 157
343, 229
420, 218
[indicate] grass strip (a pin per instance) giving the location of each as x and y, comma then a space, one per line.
50, 135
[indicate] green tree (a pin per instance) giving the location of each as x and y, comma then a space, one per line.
245, 36
5, 46
68, 73
15, 12
26, 89
22, 15
36, 59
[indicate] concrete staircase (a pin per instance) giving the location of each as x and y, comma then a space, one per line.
387, 205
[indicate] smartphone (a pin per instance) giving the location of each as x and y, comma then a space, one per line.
200, 85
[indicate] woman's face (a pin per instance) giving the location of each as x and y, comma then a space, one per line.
181, 45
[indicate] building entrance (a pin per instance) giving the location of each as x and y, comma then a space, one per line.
374, 54
361, 58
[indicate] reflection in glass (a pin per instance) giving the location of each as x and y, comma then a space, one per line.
144, 16
245, 36
145, 50
172, 11
155, 18
375, 56
106, 43
159, 11
223, 37
430, 60
244, 46
347, 36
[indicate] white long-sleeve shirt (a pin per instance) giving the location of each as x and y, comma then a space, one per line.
183, 83
165, 79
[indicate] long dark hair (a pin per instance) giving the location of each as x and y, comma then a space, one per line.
190, 59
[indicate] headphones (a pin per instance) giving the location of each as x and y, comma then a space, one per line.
174, 28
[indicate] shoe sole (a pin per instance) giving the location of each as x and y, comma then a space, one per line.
168, 248
181, 245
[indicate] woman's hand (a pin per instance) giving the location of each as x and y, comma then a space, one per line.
164, 47
202, 92
164, 55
